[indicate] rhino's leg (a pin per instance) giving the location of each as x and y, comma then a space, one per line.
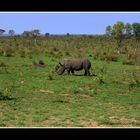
85, 73
88, 73
72, 71
68, 71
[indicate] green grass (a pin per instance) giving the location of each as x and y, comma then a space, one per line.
67, 101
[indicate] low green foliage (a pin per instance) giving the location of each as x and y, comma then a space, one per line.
6, 94
128, 62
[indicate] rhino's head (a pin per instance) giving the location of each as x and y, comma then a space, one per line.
60, 69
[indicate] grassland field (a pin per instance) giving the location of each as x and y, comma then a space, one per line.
34, 95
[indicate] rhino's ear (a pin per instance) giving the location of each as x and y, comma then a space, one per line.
60, 64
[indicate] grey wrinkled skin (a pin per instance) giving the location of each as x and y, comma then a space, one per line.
74, 64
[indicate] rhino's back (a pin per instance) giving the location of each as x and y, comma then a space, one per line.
75, 63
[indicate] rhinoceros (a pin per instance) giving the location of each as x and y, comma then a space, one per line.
74, 64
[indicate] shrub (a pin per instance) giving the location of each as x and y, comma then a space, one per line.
8, 51
135, 79
2, 64
41, 62
76, 90
55, 49
133, 55
1, 51
128, 62
5, 95
96, 53
100, 77
109, 56
30, 54
50, 77
3, 67
22, 53
57, 54
34, 63
67, 53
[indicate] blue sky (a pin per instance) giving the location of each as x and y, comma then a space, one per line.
62, 23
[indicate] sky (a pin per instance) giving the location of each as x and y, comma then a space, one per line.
62, 23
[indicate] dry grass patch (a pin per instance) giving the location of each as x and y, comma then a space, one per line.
124, 122
90, 123
46, 91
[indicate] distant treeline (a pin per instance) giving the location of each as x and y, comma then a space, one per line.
118, 32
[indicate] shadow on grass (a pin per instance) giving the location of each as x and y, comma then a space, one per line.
79, 75
84, 75
60, 101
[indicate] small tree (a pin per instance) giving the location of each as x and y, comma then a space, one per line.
68, 34
25, 33
118, 32
11, 32
1, 31
136, 30
36, 32
47, 34
109, 30
128, 30
28, 34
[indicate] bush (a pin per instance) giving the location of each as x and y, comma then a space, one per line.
55, 49
8, 51
1, 51
109, 56
57, 54
50, 77
101, 79
5, 95
136, 77
30, 54
128, 62
67, 53
3, 67
135, 82
133, 55
41, 62
2, 64
22, 53
76, 90
101, 76
96, 53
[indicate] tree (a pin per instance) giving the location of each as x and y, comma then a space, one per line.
128, 29
47, 34
109, 30
118, 32
36, 32
27, 34
136, 30
11, 32
68, 34
1, 31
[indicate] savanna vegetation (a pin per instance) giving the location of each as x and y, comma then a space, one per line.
32, 94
